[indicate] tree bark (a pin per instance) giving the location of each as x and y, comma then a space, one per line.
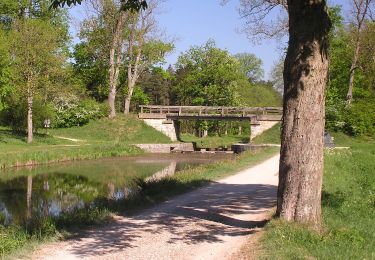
29, 116
305, 77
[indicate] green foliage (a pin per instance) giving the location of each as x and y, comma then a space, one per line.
358, 118
207, 76
5, 70
157, 84
15, 115
70, 111
134, 5
251, 66
139, 97
91, 70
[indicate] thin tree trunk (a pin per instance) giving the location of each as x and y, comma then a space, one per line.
114, 62
349, 96
361, 9
133, 69
29, 116
305, 77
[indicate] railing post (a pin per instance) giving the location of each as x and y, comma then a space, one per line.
141, 109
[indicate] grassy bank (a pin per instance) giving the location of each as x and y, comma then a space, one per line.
348, 211
13, 239
100, 138
214, 141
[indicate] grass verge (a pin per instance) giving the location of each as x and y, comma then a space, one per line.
348, 204
213, 142
13, 239
100, 138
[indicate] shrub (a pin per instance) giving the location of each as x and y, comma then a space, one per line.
355, 120
70, 111
15, 115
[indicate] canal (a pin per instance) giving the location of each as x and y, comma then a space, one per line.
59, 190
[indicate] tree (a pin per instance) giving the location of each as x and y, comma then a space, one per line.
251, 66
35, 46
5, 70
144, 49
305, 77
125, 4
277, 76
360, 10
207, 76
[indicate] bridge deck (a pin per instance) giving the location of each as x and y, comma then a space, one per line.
211, 113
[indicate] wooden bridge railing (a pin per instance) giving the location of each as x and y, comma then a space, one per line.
212, 111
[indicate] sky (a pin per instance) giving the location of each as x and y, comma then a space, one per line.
194, 22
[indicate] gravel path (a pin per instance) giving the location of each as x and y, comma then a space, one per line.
212, 222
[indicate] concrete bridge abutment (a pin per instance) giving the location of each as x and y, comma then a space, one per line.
170, 128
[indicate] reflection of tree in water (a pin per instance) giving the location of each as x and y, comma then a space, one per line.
27, 197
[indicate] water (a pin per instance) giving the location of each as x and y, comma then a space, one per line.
59, 189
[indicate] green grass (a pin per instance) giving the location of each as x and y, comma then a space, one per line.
124, 129
259, 95
18, 239
214, 141
348, 210
270, 136
100, 138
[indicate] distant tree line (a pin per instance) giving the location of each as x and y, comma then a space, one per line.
118, 64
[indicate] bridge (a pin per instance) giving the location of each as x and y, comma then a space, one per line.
163, 118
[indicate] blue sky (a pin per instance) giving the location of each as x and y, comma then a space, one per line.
193, 22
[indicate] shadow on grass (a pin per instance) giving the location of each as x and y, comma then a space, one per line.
9, 136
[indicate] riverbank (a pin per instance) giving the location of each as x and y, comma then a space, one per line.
348, 210
97, 139
14, 238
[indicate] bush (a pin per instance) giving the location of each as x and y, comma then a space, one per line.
15, 115
355, 120
70, 111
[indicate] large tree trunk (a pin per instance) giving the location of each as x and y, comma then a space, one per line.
114, 62
305, 77
29, 117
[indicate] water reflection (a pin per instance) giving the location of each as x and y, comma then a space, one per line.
57, 190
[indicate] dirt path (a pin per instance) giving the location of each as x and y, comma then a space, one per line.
209, 223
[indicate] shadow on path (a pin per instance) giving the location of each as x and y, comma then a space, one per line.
205, 215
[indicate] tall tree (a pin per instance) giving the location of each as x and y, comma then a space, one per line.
305, 77
35, 45
360, 10
144, 48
